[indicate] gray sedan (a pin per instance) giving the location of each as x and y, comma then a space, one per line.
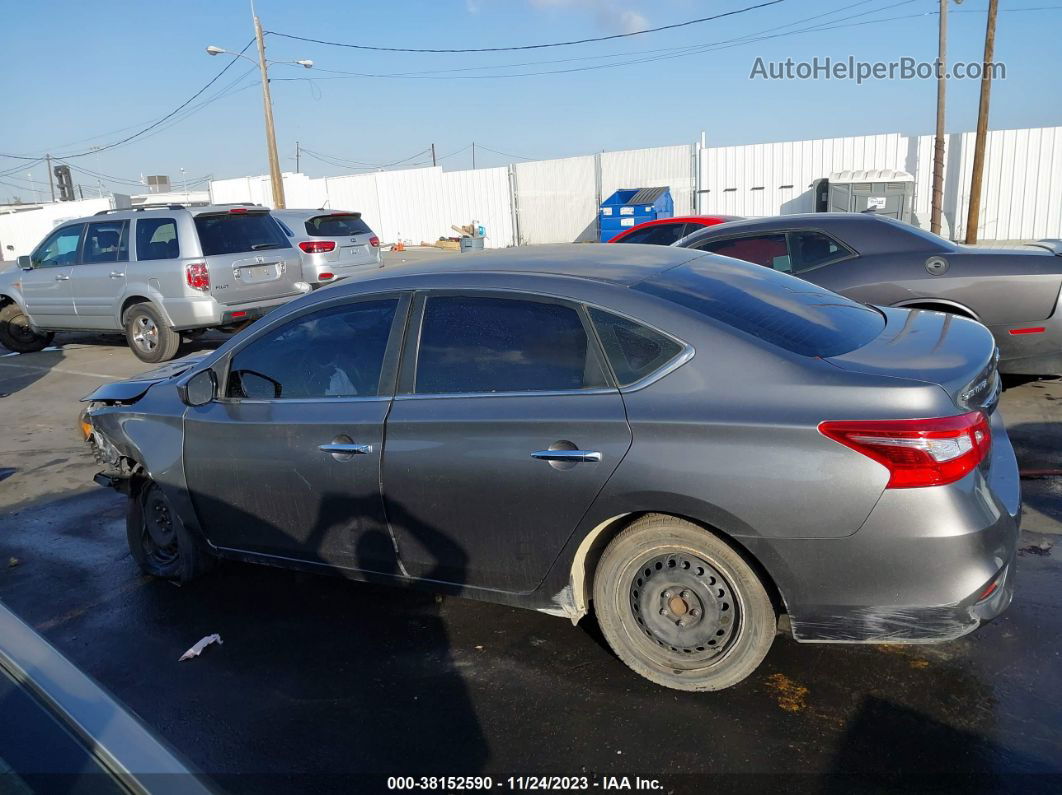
1015, 292
688, 445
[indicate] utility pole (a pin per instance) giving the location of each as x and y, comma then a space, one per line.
473, 155
297, 153
982, 126
938, 142
433, 155
271, 136
51, 183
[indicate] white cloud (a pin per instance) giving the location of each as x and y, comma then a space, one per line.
610, 15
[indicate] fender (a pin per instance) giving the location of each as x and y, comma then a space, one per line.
145, 291
12, 297
569, 583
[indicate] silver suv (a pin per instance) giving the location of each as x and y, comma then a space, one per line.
334, 243
156, 273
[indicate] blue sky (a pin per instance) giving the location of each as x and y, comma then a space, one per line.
78, 73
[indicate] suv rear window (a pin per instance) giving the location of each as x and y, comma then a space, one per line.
236, 233
337, 226
780, 309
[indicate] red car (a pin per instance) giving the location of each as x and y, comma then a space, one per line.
666, 231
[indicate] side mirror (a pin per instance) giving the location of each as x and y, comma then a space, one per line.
199, 389
25, 262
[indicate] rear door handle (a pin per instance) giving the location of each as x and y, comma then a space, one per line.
117, 274
347, 449
572, 456
62, 278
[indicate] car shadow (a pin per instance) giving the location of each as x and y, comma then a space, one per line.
404, 684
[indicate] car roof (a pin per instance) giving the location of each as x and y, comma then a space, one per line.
311, 213
618, 264
169, 209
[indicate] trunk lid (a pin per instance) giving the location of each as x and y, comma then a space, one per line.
957, 353
248, 257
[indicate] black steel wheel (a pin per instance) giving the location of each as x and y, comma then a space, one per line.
682, 607
158, 540
16, 333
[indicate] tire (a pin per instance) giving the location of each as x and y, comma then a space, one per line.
148, 336
17, 335
728, 621
160, 543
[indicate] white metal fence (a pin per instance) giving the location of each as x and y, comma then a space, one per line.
554, 201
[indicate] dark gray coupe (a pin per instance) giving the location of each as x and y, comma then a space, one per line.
1015, 292
687, 444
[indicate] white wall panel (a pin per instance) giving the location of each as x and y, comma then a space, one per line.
661, 166
556, 200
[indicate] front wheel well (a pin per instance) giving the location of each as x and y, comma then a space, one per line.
588, 555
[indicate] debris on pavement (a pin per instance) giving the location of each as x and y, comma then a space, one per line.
197, 649
1042, 549
12, 562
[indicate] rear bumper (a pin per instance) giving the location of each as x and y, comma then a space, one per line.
314, 265
1033, 352
919, 570
195, 312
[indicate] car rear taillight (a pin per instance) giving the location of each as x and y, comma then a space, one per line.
324, 277
929, 452
374, 241
197, 275
317, 246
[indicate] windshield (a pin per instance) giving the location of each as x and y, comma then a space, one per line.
237, 233
345, 225
779, 309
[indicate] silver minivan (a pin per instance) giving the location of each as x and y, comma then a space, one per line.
156, 273
334, 244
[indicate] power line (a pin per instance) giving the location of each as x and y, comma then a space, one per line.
503, 154
534, 46
151, 126
671, 53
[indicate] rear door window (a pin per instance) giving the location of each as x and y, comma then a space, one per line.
634, 351
238, 233
106, 241
156, 238
768, 250
338, 225
490, 344
782, 310
812, 249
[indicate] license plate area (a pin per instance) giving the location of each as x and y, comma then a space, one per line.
257, 273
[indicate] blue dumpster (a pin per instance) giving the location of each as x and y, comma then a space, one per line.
629, 207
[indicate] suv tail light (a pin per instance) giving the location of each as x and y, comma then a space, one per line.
197, 275
317, 246
374, 241
929, 452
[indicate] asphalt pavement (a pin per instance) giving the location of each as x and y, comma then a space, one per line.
322, 683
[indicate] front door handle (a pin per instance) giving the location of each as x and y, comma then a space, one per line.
345, 450
62, 278
117, 274
568, 456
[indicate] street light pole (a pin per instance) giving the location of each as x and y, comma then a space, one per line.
267, 104
271, 136
982, 126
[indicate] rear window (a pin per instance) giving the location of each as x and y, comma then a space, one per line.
236, 233
337, 226
777, 308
